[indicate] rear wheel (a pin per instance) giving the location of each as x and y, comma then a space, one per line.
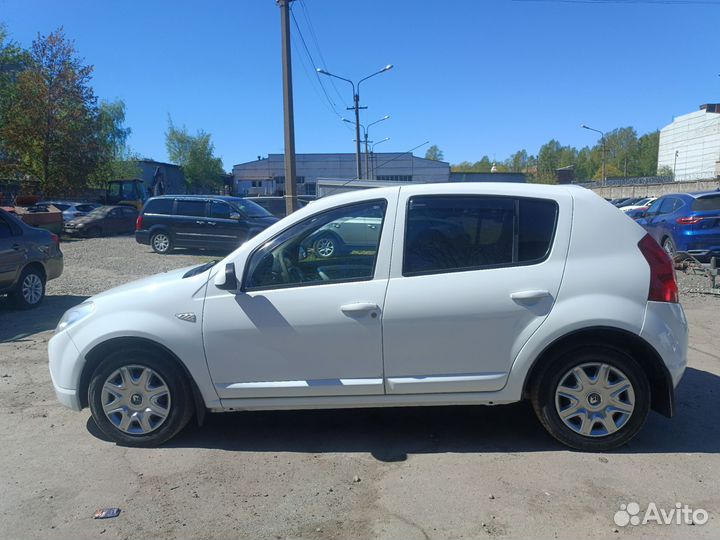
30, 289
326, 246
161, 242
139, 398
592, 398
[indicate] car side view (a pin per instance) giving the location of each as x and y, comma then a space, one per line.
463, 294
29, 257
688, 222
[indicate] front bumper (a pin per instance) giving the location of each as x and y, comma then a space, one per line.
66, 365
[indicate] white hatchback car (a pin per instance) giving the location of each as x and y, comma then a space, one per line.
470, 294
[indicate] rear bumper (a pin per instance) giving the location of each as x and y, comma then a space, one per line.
54, 267
142, 237
666, 329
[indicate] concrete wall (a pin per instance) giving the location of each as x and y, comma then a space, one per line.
655, 190
695, 137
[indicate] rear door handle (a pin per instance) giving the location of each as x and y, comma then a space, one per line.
359, 307
200, 222
537, 294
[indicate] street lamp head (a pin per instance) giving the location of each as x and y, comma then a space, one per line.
389, 66
386, 117
321, 70
584, 126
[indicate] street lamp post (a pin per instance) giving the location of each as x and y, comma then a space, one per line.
365, 138
675, 164
356, 106
372, 156
602, 140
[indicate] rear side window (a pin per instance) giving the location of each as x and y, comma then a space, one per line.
5, 230
452, 234
190, 208
668, 205
159, 206
126, 210
708, 202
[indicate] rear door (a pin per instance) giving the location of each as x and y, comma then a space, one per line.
706, 231
12, 252
128, 216
473, 277
190, 223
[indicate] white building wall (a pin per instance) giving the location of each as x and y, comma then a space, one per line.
696, 138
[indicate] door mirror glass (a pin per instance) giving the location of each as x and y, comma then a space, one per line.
235, 216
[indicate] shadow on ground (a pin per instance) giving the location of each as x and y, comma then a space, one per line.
391, 434
17, 324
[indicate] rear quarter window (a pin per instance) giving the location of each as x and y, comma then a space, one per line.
159, 206
707, 202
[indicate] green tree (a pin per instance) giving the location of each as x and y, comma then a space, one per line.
648, 154
195, 154
116, 160
434, 153
50, 123
13, 60
518, 162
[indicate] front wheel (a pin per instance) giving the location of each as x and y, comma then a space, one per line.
326, 246
139, 398
669, 247
592, 398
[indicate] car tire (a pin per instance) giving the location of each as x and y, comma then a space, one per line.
669, 246
588, 415
327, 246
161, 242
155, 404
30, 289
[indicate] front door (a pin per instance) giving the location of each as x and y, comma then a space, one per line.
303, 325
12, 252
225, 231
476, 275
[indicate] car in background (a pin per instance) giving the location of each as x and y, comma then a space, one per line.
70, 210
103, 221
621, 201
199, 221
642, 203
688, 222
276, 205
29, 257
637, 213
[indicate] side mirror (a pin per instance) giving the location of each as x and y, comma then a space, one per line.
227, 280
235, 215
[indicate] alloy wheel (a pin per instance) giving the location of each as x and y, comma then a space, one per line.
161, 242
595, 399
32, 289
136, 399
325, 247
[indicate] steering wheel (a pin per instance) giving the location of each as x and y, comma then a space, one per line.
289, 272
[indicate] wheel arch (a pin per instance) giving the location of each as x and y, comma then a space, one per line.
98, 353
35, 264
661, 387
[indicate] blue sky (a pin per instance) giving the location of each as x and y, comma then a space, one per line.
474, 77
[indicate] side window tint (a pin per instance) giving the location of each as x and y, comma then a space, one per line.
159, 206
335, 246
220, 210
190, 208
654, 208
5, 230
446, 234
667, 205
451, 234
536, 228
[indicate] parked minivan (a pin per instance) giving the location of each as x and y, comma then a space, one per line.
207, 221
468, 293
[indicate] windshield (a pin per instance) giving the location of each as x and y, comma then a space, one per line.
250, 208
708, 202
98, 212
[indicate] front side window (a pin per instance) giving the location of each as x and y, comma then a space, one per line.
452, 234
220, 210
190, 208
339, 245
654, 208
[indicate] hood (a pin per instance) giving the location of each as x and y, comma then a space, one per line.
84, 220
147, 287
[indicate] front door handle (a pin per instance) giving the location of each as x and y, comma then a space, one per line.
536, 294
358, 307
200, 222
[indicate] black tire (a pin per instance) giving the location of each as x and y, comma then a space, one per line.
327, 245
669, 246
161, 242
179, 401
30, 284
545, 384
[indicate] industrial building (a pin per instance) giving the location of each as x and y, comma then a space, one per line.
266, 176
690, 146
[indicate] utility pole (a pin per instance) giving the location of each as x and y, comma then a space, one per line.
290, 178
367, 167
602, 140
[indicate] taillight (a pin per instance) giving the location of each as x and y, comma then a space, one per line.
689, 220
663, 287
55, 238
138, 223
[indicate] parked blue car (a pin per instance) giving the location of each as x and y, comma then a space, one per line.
688, 222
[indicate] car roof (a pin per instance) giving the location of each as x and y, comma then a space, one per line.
202, 197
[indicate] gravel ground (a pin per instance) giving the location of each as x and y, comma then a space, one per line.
443, 472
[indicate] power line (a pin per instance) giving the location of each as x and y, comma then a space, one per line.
389, 160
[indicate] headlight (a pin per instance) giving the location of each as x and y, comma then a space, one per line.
75, 314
